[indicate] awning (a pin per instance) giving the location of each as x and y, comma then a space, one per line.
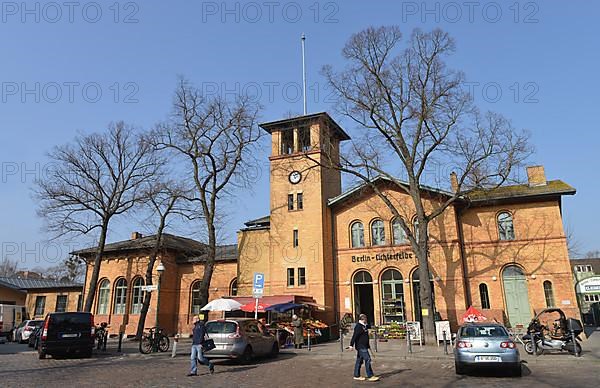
265, 300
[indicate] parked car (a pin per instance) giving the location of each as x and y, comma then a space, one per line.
485, 345
34, 338
67, 333
240, 338
24, 330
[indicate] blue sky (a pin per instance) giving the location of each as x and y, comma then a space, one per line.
65, 70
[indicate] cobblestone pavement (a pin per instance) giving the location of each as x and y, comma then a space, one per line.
322, 367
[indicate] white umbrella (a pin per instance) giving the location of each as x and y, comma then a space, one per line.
222, 305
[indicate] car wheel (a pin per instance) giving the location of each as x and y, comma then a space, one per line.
247, 356
275, 350
459, 368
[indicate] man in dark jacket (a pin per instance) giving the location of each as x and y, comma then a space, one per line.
197, 355
360, 342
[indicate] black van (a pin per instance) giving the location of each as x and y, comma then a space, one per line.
65, 333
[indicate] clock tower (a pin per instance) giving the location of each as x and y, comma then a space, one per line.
303, 151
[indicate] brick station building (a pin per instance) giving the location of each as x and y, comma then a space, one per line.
503, 251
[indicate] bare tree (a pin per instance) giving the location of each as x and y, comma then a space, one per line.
71, 269
164, 200
416, 117
573, 245
91, 180
216, 139
592, 254
9, 267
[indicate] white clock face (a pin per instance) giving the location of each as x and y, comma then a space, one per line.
295, 177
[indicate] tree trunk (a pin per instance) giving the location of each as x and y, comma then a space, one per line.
425, 292
147, 298
89, 300
209, 265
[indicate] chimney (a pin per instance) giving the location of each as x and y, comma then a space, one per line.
454, 182
136, 235
536, 176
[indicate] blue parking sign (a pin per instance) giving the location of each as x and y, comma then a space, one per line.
258, 284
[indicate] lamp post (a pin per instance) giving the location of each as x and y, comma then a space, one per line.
160, 269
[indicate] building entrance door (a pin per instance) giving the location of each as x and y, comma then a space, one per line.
516, 295
363, 296
417, 296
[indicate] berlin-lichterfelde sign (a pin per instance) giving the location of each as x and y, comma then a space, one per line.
394, 256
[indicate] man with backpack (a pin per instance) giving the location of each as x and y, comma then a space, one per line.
199, 334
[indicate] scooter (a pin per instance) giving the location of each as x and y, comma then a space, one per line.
565, 342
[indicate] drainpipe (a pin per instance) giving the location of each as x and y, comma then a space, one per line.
463, 258
335, 275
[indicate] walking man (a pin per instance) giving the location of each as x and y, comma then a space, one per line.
197, 355
360, 342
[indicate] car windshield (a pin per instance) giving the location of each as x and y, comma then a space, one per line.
221, 327
483, 331
36, 323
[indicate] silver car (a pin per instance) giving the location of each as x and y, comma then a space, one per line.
240, 338
490, 345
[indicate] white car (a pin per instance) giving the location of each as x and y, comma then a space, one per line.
24, 330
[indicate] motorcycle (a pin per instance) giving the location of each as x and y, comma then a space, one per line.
564, 335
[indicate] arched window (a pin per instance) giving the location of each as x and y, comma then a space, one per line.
103, 297
362, 277
377, 233
398, 232
392, 296
549, 293
195, 304
358, 234
137, 295
506, 231
120, 296
233, 287
484, 296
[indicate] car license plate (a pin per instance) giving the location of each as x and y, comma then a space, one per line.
487, 359
75, 335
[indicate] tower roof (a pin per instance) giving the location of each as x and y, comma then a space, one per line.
303, 120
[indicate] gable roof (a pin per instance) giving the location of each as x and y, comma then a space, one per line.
176, 243
31, 284
356, 190
551, 188
187, 250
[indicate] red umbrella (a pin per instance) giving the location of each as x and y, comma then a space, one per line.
249, 307
473, 315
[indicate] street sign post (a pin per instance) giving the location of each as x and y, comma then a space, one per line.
150, 288
258, 290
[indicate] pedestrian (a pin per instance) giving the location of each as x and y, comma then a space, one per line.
360, 342
298, 332
198, 338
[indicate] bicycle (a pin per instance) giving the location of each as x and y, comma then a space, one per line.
101, 336
153, 341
